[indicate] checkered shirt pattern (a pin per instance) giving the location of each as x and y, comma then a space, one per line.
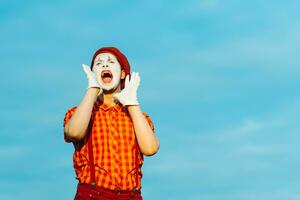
114, 149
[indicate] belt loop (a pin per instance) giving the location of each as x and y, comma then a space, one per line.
93, 185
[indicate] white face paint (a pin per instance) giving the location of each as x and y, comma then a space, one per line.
108, 71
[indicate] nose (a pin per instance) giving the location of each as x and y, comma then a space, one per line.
105, 66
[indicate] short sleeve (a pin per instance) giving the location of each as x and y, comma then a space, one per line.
68, 116
149, 121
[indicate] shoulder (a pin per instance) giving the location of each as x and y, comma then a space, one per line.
70, 112
71, 109
149, 120
146, 114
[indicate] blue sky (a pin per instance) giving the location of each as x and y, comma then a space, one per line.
220, 80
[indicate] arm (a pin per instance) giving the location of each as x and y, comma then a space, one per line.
76, 127
147, 140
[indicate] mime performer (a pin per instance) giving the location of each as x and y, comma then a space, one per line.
109, 131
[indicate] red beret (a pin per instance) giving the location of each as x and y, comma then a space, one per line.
120, 57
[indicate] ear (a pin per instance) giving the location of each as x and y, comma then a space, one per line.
123, 75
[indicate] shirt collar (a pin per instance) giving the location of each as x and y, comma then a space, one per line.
105, 107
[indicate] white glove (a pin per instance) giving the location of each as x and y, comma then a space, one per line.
128, 96
91, 76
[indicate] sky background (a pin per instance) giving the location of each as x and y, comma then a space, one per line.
220, 80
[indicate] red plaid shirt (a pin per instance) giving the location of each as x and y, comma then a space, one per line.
114, 149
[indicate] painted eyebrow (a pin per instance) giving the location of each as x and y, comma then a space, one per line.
99, 60
111, 59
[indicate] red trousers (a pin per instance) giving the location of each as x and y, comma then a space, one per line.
86, 192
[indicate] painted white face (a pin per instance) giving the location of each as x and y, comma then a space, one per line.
108, 71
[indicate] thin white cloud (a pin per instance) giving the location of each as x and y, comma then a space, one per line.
243, 129
264, 50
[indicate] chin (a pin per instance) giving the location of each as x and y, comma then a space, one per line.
110, 91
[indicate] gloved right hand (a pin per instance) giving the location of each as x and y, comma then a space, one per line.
128, 96
91, 77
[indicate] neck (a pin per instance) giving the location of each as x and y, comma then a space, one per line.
107, 97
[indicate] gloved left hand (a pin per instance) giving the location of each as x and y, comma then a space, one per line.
128, 96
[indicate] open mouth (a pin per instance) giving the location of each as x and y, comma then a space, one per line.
106, 76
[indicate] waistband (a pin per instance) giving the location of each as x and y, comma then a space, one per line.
86, 186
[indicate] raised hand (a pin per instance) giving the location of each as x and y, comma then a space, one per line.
128, 96
91, 77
